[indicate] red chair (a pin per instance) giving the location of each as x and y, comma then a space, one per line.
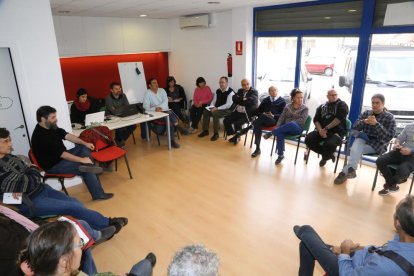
59, 176
106, 153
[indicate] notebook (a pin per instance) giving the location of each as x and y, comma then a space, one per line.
97, 117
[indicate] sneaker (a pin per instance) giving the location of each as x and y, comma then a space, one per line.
341, 178
174, 144
267, 135
256, 153
204, 133
214, 137
322, 163
279, 159
89, 168
351, 173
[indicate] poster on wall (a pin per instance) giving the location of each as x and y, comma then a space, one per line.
133, 80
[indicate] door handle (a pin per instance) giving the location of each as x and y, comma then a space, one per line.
21, 126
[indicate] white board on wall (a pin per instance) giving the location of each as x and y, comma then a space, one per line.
133, 84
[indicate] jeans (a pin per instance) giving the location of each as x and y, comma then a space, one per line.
216, 118
142, 268
238, 119
51, 202
91, 180
87, 263
358, 148
291, 128
312, 248
327, 148
405, 166
261, 121
122, 134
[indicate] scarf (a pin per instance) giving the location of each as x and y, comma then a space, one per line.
82, 106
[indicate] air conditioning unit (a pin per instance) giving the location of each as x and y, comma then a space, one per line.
195, 21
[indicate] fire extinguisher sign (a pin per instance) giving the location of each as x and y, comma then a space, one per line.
239, 48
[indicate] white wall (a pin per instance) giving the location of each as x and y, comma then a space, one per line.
83, 36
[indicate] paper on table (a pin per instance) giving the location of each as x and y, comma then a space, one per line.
209, 107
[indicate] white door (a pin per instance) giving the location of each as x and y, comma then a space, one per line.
11, 112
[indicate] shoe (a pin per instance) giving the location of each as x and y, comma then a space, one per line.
90, 169
214, 137
256, 153
174, 144
322, 163
341, 178
351, 173
393, 188
267, 135
183, 131
333, 158
296, 230
118, 223
279, 159
235, 139
193, 130
384, 191
204, 133
151, 258
120, 143
104, 196
106, 234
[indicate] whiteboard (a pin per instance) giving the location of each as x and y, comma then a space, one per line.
133, 85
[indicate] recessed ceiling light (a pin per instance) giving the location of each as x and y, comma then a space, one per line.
143, 15
352, 10
213, 2
64, 12
327, 17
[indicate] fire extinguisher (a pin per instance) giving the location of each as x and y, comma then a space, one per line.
229, 65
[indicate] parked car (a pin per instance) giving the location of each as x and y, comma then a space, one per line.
320, 65
390, 72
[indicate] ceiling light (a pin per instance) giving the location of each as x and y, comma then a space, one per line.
143, 15
352, 10
327, 17
213, 2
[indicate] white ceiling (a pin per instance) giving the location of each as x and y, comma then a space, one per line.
152, 8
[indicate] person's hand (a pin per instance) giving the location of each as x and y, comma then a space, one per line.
371, 120
200, 105
323, 133
405, 151
170, 99
86, 160
348, 246
17, 195
90, 146
213, 109
158, 109
336, 250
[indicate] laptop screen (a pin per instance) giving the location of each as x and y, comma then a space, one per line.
97, 117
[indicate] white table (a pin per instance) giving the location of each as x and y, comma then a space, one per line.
120, 122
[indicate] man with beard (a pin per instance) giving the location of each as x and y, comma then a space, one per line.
54, 158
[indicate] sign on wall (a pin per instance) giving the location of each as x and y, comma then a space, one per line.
239, 48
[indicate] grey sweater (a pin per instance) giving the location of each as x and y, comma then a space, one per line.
290, 114
112, 104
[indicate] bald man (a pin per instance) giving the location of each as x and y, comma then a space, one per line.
245, 103
330, 124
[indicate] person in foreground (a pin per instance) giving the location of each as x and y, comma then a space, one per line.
194, 260
402, 156
22, 179
54, 158
392, 258
290, 122
55, 248
372, 131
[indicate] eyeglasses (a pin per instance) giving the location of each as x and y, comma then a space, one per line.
81, 244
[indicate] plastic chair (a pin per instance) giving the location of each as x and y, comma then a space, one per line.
59, 176
393, 166
297, 138
106, 153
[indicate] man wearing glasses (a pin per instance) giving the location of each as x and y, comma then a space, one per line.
330, 124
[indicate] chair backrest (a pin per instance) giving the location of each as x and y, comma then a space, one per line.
100, 144
307, 124
32, 158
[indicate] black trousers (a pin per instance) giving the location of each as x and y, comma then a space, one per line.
196, 113
237, 119
313, 141
176, 108
405, 166
261, 121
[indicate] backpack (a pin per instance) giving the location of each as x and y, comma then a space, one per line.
94, 134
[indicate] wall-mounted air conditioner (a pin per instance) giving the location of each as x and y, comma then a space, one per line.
195, 21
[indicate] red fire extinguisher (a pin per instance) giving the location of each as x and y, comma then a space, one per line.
229, 65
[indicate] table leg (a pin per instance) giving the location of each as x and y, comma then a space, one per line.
147, 132
167, 119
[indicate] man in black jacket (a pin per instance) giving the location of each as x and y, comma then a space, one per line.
245, 103
330, 124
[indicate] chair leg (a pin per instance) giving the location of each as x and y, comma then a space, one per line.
133, 138
375, 180
245, 139
251, 140
273, 145
337, 157
307, 156
178, 134
127, 164
225, 135
62, 183
297, 151
158, 139
116, 165
411, 187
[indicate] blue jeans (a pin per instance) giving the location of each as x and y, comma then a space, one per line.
291, 128
142, 268
91, 180
312, 248
87, 263
358, 148
51, 202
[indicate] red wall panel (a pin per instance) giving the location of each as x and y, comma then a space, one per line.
97, 72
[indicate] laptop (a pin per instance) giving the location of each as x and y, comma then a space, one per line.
97, 117
127, 110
